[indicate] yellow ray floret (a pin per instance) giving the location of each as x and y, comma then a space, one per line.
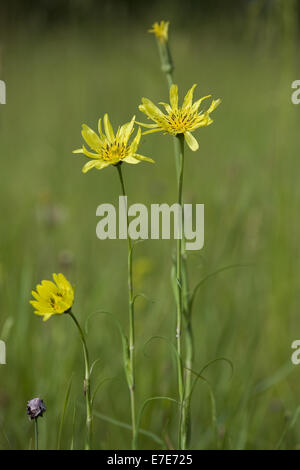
160, 30
53, 298
109, 148
179, 120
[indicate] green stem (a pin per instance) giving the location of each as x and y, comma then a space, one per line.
188, 364
166, 61
189, 352
167, 67
87, 387
36, 431
170, 79
180, 138
131, 378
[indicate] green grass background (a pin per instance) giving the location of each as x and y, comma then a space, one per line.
246, 172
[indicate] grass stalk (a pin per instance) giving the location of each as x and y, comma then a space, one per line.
130, 369
87, 386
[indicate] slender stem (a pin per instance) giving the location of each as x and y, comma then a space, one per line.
189, 352
188, 364
170, 79
180, 138
131, 378
36, 431
87, 386
167, 67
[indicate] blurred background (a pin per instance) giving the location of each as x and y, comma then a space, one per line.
68, 62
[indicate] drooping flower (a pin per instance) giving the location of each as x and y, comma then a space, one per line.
160, 30
35, 408
179, 120
53, 298
110, 148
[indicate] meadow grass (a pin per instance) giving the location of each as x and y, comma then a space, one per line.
246, 174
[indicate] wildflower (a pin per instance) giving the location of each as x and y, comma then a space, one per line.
110, 149
179, 120
53, 298
35, 408
160, 30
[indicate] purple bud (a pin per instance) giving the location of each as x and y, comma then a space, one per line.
35, 408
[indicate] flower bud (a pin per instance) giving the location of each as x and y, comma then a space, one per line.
35, 408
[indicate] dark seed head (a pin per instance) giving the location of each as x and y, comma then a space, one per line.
35, 408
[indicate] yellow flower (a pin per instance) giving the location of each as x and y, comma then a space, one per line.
52, 299
110, 149
160, 30
179, 120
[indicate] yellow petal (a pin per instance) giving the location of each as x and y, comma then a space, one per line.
142, 108
37, 312
135, 143
108, 129
89, 154
131, 160
174, 97
188, 99
98, 164
151, 126
91, 138
61, 281
151, 110
213, 105
191, 141
34, 303
198, 102
167, 107
46, 317
159, 129
100, 130
142, 158
126, 130
49, 286
101, 164
41, 304
35, 295
203, 121
88, 166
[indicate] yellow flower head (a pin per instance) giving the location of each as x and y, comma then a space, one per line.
53, 298
160, 30
110, 149
179, 120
